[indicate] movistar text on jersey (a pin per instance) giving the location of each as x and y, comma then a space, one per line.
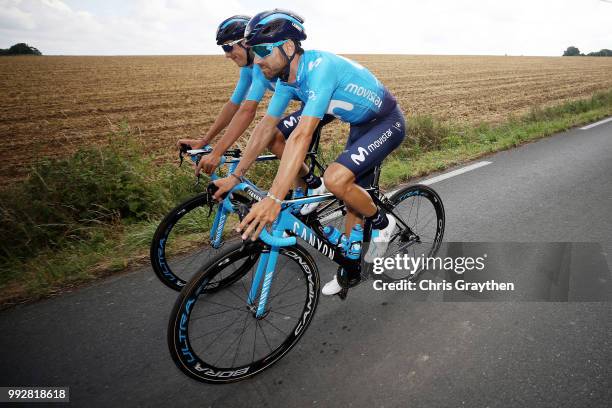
368, 94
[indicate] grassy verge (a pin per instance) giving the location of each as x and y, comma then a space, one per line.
93, 214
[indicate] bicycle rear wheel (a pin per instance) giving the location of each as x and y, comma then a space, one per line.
420, 228
215, 337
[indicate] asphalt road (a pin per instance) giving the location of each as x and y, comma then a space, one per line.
376, 349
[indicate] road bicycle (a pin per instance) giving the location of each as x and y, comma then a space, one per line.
246, 308
195, 231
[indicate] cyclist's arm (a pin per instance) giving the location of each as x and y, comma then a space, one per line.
293, 155
230, 108
223, 119
259, 140
239, 123
245, 114
265, 129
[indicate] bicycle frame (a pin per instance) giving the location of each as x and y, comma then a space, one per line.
288, 226
285, 229
216, 232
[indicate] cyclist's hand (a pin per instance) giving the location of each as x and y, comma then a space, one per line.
261, 214
224, 185
208, 163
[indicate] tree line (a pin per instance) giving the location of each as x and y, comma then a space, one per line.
575, 52
21, 49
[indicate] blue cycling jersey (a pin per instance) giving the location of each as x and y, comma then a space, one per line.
328, 83
251, 86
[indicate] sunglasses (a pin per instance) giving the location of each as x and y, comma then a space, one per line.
230, 45
263, 50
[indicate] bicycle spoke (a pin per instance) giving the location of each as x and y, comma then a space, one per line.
216, 338
285, 291
416, 220
221, 304
270, 323
264, 334
254, 342
232, 343
218, 313
210, 332
238, 297
238, 347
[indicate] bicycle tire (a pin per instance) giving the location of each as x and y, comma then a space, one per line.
435, 234
182, 333
175, 269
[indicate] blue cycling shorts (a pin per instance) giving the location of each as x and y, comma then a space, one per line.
369, 143
289, 122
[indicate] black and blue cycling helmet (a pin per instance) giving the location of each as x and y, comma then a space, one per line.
232, 29
274, 25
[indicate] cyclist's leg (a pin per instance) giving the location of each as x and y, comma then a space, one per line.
277, 146
367, 147
310, 181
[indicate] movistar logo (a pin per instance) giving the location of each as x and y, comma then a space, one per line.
334, 103
314, 64
359, 158
289, 123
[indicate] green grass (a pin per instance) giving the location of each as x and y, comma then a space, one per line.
94, 213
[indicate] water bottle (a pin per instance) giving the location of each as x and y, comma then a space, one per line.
353, 244
334, 235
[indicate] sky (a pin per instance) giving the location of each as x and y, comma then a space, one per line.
449, 27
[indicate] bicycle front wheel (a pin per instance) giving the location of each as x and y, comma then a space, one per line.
216, 337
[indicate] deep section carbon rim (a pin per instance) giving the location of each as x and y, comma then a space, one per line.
216, 337
421, 209
181, 243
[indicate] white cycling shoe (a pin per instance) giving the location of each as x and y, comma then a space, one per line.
332, 287
380, 240
308, 208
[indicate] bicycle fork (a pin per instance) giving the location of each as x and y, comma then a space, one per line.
264, 272
216, 232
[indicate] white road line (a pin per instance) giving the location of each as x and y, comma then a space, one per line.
455, 173
448, 175
592, 125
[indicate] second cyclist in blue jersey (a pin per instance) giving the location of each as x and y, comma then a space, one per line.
238, 113
327, 84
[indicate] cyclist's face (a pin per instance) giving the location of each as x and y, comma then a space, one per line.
238, 54
272, 64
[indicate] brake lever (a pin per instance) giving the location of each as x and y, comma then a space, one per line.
183, 149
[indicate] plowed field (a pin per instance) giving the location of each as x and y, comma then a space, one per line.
51, 105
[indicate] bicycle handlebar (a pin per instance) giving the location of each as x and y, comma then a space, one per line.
266, 237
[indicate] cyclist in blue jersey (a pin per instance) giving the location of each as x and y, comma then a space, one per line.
238, 113
327, 84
